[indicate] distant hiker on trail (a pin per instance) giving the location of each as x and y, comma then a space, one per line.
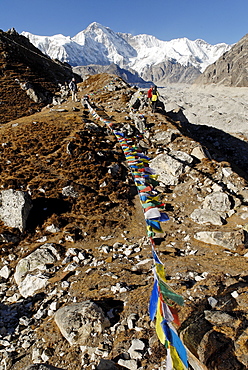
155, 95
74, 90
149, 95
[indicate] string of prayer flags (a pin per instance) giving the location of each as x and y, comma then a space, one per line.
161, 310
163, 298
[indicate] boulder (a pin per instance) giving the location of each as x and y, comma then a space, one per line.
32, 283
170, 166
5, 272
128, 364
200, 153
36, 96
164, 137
81, 323
218, 318
229, 240
206, 216
28, 283
15, 208
217, 201
42, 256
136, 351
211, 347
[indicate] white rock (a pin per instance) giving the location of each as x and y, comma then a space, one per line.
217, 201
15, 208
244, 215
136, 349
81, 322
69, 238
129, 364
31, 284
145, 261
5, 272
199, 278
105, 249
44, 356
128, 252
42, 239
65, 284
52, 229
71, 267
46, 254
205, 216
54, 306
227, 171
36, 355
228, 240
14, 298
235, 294
199, 153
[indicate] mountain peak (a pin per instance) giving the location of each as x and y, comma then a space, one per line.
100, 45
95, 25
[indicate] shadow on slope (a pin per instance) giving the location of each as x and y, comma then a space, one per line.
222, 146
43, 208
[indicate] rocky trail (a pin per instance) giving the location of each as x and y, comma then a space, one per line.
76, 274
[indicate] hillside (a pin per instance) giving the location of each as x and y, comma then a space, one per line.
25, 70
86, 212
230, 69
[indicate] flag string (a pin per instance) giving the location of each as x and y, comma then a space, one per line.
163, 299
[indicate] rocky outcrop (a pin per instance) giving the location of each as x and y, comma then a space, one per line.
170, 72
161, 74
230, 69
15, 208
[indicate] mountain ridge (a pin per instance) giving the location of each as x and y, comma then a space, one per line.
24, 71
230, 69
99, 45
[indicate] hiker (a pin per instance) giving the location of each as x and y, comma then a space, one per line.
74, 90
149, 95
155, 95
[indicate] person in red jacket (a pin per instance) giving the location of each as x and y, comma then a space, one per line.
149, 95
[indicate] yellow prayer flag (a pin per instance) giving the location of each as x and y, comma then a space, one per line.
177, 362
160, 271
159, 329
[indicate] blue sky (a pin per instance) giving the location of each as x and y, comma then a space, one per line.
214, 21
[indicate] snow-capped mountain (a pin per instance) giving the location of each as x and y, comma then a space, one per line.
100, 45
